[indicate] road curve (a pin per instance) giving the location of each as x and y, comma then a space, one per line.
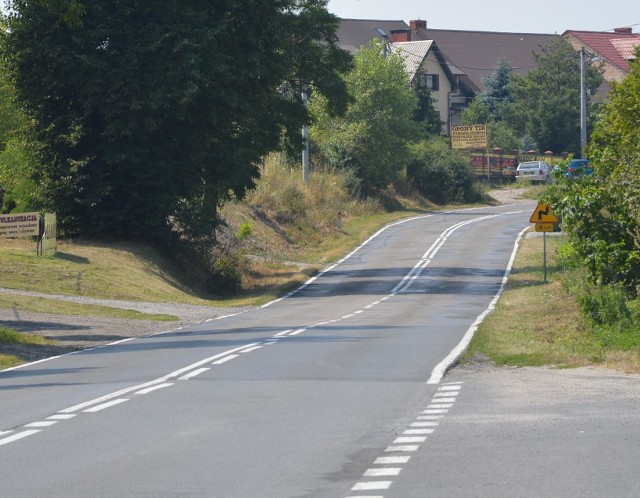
298, 398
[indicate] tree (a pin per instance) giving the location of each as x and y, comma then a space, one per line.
612, 244
499, 133
373, 134
443, 175
601, 212
425, 114
497, 93
547, 100
476, 113
146, 117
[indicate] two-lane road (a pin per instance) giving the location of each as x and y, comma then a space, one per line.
327, 392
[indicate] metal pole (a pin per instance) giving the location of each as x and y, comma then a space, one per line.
583, 102
305, 141
544, 239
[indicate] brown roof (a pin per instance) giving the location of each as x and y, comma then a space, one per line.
354, 33
613, 46
478, 52
472, 55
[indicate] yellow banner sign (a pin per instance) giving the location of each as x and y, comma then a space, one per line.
469, 137
546, 227
19, 225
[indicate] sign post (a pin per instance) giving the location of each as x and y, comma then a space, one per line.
546, 221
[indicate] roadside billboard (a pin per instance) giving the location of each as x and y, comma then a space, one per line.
469, 137
20, 225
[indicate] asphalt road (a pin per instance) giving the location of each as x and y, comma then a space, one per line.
332, 391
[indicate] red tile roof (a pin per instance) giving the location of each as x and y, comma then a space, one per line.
612, 46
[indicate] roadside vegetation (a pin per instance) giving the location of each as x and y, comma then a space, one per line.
10, 336
177, 187
564, 323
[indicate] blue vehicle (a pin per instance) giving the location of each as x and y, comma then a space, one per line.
578, 167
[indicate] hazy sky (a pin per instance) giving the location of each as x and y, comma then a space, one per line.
543, 16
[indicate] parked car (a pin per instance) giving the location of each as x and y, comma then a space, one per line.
578, 167
575, 169
533, 171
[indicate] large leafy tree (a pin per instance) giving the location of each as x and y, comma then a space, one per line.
146, 116
602, 211
373, 135
547, 100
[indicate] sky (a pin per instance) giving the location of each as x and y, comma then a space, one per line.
542, 16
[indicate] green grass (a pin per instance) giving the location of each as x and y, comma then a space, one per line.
538, 324
10, 336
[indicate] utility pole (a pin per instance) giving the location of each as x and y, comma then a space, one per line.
583, 101
305, 140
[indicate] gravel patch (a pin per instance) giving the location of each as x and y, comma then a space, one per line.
75, 332
507, 195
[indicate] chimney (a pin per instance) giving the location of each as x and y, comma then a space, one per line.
417, 24
400, 35
623, 31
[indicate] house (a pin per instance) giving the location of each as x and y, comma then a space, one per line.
425, 65
471, 56
613, 50
477, 52
450, 88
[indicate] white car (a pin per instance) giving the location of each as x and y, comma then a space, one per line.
533, 171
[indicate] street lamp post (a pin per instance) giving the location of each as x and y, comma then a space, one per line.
305, 140
583, 101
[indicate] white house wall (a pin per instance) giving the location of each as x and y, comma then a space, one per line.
430, 65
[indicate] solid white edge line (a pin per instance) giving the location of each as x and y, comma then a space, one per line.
441, 368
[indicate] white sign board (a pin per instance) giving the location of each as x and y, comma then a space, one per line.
19, 225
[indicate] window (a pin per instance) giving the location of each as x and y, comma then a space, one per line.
432, 82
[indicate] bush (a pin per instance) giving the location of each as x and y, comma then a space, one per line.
443, 175
605, 305
244, 231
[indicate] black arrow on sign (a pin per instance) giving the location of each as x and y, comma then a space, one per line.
541, 212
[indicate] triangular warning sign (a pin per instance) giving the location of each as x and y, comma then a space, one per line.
543, 214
